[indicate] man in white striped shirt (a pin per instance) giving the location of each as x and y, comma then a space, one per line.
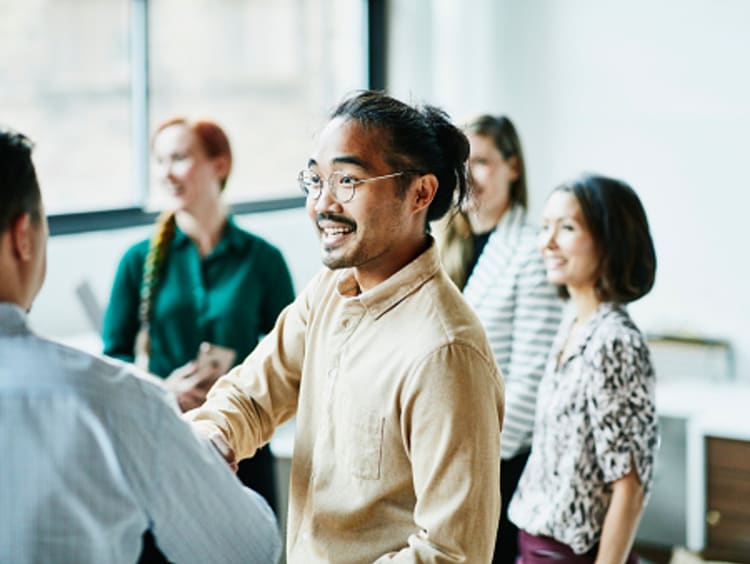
93, 455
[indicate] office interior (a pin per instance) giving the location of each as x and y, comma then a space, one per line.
655, 93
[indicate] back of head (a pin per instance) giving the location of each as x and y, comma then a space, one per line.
505, 138
19, 188
618, 224
419, 139
210, 135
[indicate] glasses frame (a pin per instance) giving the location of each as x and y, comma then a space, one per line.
316, 193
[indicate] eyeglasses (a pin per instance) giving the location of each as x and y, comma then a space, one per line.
340, 184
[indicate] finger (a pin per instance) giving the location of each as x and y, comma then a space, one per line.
183, 372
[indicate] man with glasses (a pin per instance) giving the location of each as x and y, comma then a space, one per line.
398, 399
93, 456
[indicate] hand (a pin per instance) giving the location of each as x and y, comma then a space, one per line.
190, 384
225, 450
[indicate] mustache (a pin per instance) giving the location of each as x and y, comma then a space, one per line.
337, 218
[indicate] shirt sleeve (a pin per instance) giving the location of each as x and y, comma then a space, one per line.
621, 404
451, 419
536, 318
248, 403
120, 324
198, 510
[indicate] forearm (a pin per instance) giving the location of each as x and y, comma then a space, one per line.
621, 521
232, 412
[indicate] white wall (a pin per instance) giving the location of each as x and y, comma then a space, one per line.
94, 256
656, 93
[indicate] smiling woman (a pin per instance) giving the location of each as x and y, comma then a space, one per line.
177, 294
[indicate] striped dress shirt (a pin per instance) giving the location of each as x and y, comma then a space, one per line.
520, 312
93, 456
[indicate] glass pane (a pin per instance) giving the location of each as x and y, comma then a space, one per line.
267, 72
65, 82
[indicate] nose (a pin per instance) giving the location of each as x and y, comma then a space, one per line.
326, 199
547, 238
163, 170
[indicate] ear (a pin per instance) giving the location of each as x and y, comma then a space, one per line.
22, 237
424, 192
221, 166
513, 165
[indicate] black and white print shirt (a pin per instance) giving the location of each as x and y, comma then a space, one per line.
595, 413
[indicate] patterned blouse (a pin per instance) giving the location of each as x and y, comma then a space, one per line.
595, 411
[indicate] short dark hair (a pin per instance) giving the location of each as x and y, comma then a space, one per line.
421, 139
19, 188
505, 138
617, 222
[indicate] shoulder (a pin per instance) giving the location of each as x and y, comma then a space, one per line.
617, 347
527, 244
94, 374
442, 318
138, 249
253, 243
136, 253
616, 327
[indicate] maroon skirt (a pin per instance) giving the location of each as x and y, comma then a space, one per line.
546, 550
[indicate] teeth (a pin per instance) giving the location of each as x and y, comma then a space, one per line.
335, 231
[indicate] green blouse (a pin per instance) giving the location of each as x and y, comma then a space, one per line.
230, 297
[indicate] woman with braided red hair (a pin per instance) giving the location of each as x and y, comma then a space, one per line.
198, 279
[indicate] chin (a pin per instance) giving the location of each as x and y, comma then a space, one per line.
556, 279
332, 260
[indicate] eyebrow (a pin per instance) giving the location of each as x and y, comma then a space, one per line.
343, 159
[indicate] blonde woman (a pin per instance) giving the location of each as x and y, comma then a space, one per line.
489, 250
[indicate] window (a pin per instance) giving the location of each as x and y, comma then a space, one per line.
88, 79
65, 82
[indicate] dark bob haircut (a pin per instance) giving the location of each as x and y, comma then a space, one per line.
617, 222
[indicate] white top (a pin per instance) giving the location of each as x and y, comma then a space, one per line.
520, 312
93, 456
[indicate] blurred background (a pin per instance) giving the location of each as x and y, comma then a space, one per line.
654, 92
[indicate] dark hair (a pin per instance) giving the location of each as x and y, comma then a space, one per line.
19, 188
617, 222
417, 138
505, 137
210, 135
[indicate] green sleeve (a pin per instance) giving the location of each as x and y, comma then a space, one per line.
121, 324
279, 289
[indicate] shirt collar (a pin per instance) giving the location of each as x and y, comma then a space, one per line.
230, 239
13, 319
602, 311
386, 295
510, 224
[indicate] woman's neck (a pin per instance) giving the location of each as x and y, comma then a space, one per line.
585, 301
204, 228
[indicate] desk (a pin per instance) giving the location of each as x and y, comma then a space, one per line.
690, 411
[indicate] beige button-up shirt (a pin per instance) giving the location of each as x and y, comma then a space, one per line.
399, 406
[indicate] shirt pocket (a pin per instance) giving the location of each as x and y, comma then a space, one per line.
366, 446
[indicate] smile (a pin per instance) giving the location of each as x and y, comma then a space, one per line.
335, 231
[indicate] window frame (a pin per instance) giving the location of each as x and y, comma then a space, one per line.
120, 218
